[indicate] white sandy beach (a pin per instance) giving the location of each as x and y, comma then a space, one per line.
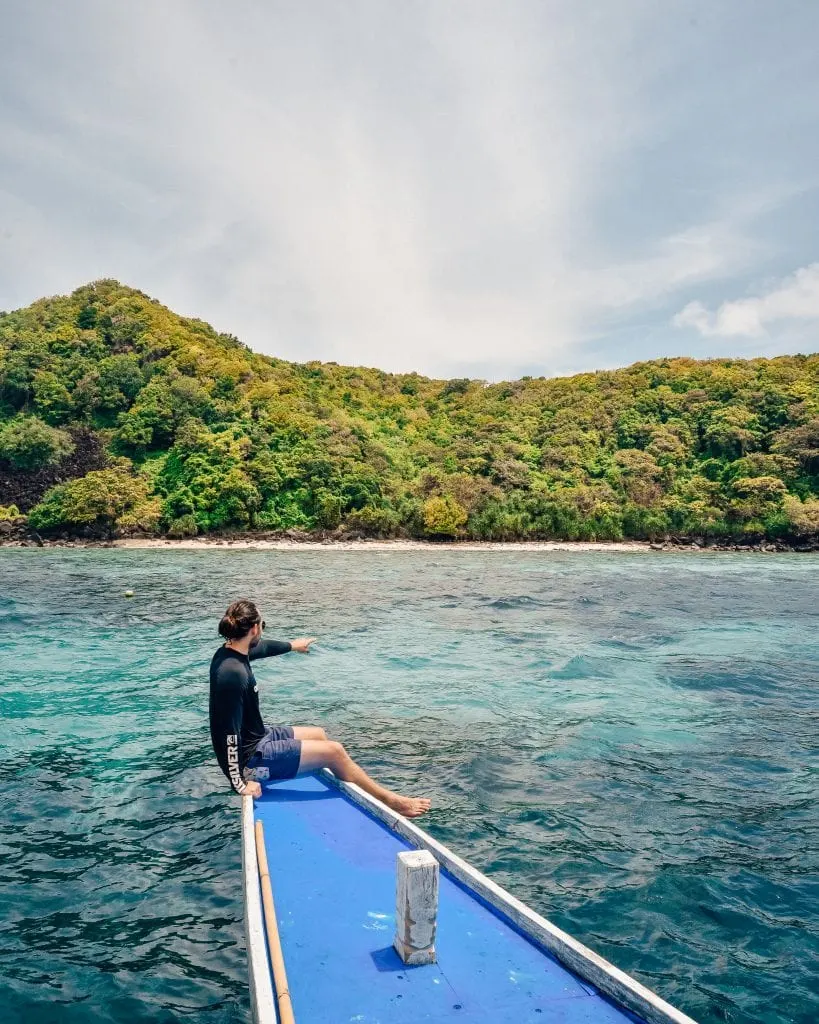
199, 543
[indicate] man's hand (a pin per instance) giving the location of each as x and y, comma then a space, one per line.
252, 789
302, 645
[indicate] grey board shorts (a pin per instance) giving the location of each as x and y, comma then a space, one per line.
277, 755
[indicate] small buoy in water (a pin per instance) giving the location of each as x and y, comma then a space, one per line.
129, 593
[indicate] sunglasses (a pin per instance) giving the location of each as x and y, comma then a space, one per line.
262, 624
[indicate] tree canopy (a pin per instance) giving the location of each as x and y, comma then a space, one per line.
201, 434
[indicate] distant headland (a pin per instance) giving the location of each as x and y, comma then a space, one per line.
121, 420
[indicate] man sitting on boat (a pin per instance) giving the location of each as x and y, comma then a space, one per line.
242, 741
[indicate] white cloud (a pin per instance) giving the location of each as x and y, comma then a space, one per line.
402, 186
796, 298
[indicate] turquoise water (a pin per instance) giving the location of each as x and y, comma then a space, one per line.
623, 740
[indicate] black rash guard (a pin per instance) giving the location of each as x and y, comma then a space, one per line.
235, 720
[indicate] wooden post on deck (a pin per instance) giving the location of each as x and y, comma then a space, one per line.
416, 906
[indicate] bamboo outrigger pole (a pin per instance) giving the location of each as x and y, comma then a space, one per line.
273, 941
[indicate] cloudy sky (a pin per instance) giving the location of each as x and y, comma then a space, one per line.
452, 186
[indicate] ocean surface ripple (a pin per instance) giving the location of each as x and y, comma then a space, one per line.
625, 741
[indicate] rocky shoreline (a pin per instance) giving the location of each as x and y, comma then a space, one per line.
17, 534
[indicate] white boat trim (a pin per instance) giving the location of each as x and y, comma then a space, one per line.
622, 989
262, 1002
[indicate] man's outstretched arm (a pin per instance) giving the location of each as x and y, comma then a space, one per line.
266, 648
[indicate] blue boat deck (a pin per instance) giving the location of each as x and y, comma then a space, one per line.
332, 867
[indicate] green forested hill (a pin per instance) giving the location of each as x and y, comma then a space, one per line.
116, 414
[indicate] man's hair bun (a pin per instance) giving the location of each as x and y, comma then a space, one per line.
238, 620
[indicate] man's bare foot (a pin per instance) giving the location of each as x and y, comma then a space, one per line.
410, 806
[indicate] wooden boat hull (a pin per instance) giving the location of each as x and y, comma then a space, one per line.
331, 850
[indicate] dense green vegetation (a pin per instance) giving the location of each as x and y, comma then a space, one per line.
116, 414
